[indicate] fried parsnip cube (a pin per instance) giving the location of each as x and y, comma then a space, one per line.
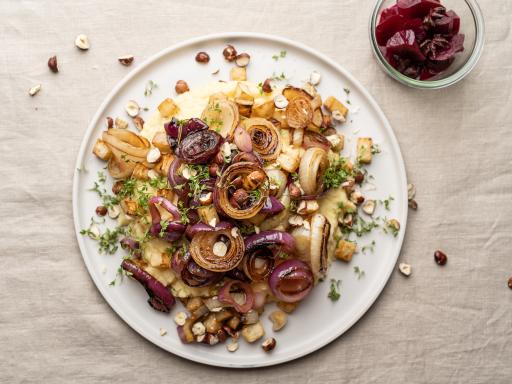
160, 141
102, 150
337, 141
345, 250
238, 74
289, 160
168, 108
253, 332
364, 150
265, 110
333, 104
129, 206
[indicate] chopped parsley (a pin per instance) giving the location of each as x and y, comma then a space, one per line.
150, 86
199, 173
163, 227
334, 291
246, 229
336, 174
183, 212
387, 202
108, 241
375, 149
360, 226
347, 91
277, 77
119, 277
282, 55
369, 247
359, 272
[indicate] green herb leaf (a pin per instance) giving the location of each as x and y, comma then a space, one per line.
334, 291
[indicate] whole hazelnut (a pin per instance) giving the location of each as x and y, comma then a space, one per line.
101, 210
266, 87
269, 344
138, 122
510, 283
440, 257
52, 64
240, 196
359, 177
213, 169
294, 191
229, 53
117, 187
181, 87
202, 57
110, 122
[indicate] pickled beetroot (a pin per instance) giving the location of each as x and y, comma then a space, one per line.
419, 38
404, 44
416, 8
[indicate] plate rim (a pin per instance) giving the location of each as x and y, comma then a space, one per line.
183, 353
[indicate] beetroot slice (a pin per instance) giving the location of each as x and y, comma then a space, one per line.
388, 12
404, 44
396, 23
447, 25
416, 8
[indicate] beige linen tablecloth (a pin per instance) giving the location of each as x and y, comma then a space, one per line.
442, 325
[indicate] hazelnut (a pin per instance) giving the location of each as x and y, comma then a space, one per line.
206, 198
181, 87
278, 319
413, 204
314, 78
82, 42
120, 123
440, 257
101, 210
219, 249
243, 59
405, 269
294, 191
213, 169
253, 332
254, 179
269, 344
114, 211
34, 90
240, 196
510, 283
229, 53
232, 347
110, 122
359, 177
138, 122
411, 191
52, 64
369, 207
202, 57
153, 155
356, 197
180, 318
198, 329
163, 331
280, 101
295, 220
267, 86
338, 116
126, 60
117, 187
132, 108
347, 220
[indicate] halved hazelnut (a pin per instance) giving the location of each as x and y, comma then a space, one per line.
219, 249
338, 116
232, 347
405, 269
267, 86
138, 122
153, 155
280, 101
229, 53
82, 42
369, 207
132, 108
120, 123
243, 59
126, 60
34, 90
181, 87
314, 78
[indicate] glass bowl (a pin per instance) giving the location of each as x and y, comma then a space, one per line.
471, 25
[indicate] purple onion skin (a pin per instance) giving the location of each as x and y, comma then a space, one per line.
190, 272
272, 206
159, 296
202, 227
132, 245
295, 270
268, 238
200, 147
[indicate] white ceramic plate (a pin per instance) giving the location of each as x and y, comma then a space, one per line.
330, 319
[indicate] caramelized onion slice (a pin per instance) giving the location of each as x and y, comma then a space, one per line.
221, 191
311, 170
320, 230
221, 115
201, 250
299, 112
265, 137
127, 142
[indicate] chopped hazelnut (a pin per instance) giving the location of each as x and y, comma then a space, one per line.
267, 86
52, 64
229, 53
405, 269
181, 87
126, 60
269, 344
242, 60
278, 319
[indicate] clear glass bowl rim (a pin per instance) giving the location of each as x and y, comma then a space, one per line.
462, 72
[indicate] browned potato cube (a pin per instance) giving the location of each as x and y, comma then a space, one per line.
167, 108
238, 74
345, 250
102, 150
364, 150
333, 104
